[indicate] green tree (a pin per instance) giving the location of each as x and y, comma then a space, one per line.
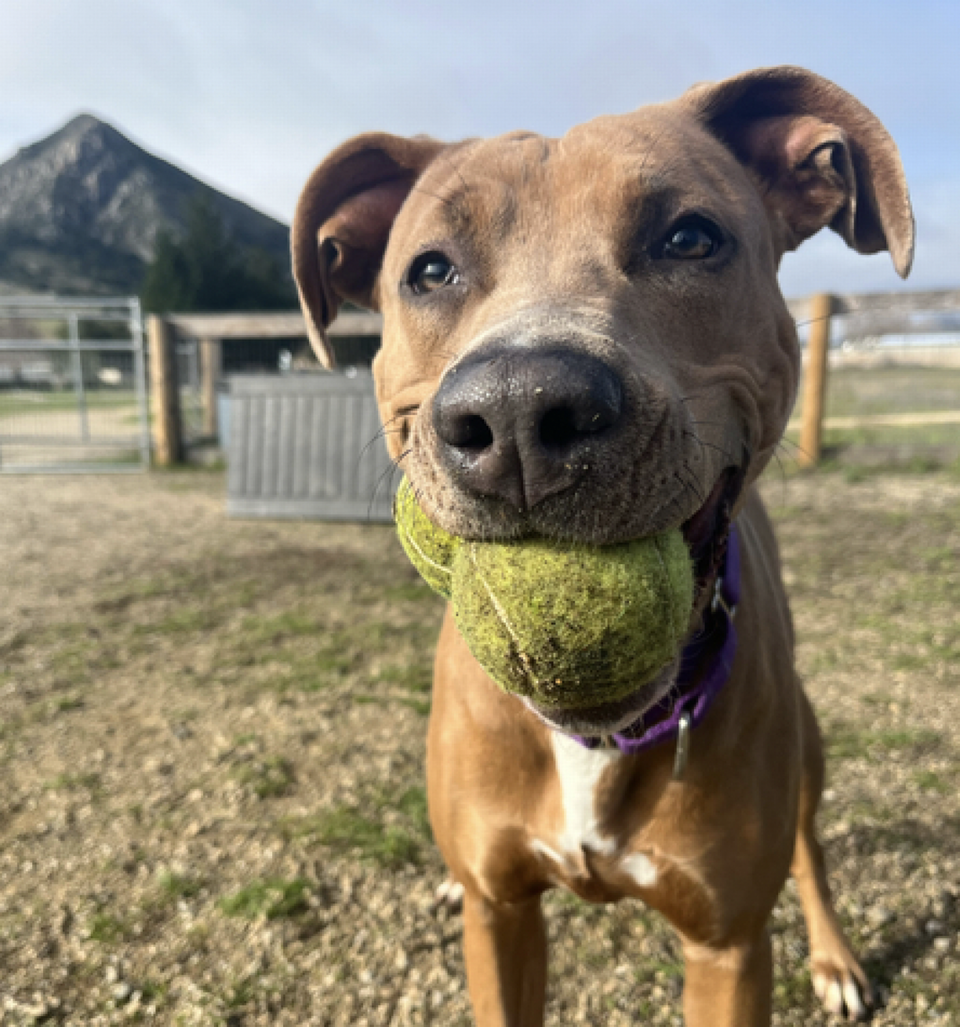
205, 270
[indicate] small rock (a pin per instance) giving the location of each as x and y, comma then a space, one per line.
935, 928
122, 992
879, 915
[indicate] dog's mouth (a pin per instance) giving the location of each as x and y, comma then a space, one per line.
707, 530
706, 534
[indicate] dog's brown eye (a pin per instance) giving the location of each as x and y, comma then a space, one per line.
693, 240
431, 271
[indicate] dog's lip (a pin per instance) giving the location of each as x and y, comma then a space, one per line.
700, 529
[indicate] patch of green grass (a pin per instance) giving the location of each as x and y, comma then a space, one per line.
241, 992
792, 991
277, 627
106, 929
272, 897
844, 741
826, 658
366, 830
347, 829
658, 969
877, 699
411, 591
76, 657
185, 621
68, 782
929, 781
153, 991
178, 886
34, 403
340, 654
906, 740
414, 676
421, 707
413, 804
301, 653
328, 667
268, 778
68, 702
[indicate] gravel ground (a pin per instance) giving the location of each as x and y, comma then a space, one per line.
211, 745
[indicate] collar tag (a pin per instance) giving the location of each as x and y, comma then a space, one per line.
719, 601
683, 745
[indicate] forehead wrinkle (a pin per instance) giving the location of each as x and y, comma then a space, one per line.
477, 190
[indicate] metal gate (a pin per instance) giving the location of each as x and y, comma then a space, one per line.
72, 386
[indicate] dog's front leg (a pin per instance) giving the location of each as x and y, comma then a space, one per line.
505, 947
730, 986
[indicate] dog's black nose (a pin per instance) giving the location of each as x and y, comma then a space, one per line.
522, 424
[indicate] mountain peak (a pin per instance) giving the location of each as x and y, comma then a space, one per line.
71, 135
83, 122
88, 197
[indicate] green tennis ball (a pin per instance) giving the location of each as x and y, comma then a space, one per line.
430, 549
565, 624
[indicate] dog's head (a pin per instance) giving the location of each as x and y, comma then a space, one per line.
584, 337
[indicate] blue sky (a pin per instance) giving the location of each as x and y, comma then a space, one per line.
250, 94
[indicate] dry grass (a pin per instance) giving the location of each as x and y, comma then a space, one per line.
211, 741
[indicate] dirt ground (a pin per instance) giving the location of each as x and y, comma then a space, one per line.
211, 752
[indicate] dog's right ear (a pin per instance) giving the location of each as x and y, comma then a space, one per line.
343, 221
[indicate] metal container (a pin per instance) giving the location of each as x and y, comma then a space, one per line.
308, 446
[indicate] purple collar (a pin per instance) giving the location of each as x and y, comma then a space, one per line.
705, 666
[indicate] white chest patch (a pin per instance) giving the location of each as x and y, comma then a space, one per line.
580, 770
640, 868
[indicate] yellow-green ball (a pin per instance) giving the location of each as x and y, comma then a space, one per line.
566, 625
430, 549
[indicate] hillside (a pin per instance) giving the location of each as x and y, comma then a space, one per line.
80, 212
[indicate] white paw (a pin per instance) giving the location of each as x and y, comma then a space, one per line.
449, 895
842, 993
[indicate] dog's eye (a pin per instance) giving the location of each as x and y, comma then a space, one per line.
431, 271
695, 239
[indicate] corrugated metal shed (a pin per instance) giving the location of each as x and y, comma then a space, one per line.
308, 446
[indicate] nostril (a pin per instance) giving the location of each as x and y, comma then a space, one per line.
563, 425
469, 431
558, 428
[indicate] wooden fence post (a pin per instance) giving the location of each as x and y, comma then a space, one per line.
210, 368
164, 393
822, 307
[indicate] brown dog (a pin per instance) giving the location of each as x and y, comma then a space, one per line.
584, 339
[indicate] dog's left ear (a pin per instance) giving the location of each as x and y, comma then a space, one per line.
820, 157
343, 221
